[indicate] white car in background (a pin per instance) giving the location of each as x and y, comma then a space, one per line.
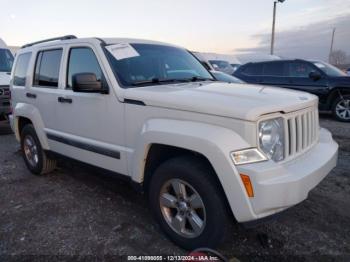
227, 64
223, 66
6, 61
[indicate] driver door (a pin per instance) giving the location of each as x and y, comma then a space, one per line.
89, 126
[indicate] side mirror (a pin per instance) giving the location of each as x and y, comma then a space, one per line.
87, 83
315, 75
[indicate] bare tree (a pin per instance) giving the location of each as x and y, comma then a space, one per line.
337, 57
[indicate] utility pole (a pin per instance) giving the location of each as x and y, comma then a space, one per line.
332, 43
273, 28
274, 25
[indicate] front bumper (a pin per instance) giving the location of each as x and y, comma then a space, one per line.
278, 186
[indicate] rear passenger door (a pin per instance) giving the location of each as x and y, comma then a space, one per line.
274, 74
44, 88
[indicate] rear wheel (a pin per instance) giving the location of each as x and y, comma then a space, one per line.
188, 203
341, 108
34, 156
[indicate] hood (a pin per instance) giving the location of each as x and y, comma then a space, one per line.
4, 79
241, 101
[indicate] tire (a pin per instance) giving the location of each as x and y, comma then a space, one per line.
338, 113
200, 176
35, 158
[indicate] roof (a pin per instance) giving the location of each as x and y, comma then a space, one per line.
275, 61
73, 39
133, 40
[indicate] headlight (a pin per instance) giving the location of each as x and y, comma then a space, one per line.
247, 156
271, 138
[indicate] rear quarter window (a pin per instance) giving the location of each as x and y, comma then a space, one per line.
21, 68
252, 69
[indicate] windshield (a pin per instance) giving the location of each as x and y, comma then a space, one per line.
158, 64
6, 60
329, 69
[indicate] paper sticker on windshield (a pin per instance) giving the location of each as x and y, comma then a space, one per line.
122, 51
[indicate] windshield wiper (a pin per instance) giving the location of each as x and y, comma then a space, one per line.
159, 81
156, 81
198, 78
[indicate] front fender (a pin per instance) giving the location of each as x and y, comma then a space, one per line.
33, 114
213, 142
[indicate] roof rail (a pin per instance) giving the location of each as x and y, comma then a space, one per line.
101, 40
66, 37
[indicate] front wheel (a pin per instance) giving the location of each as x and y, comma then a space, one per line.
341, 108
33, 154
188, 203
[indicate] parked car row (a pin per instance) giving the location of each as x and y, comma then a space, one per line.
6, 61
330, 84
205, 152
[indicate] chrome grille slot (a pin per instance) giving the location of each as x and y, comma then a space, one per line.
299, 127
301, 131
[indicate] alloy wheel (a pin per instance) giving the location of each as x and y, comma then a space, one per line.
30, 150
182, 208
342, 109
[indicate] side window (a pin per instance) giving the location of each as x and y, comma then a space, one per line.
253, 70
274, 69
82, 60
6, 60
47, 68
22, 63
299, 69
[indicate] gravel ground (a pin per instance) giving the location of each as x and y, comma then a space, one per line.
78, 213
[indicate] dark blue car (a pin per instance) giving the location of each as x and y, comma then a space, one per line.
329, 83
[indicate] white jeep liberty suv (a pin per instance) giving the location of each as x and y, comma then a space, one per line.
203, 151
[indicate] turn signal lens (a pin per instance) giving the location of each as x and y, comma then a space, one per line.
248, 185
247, 156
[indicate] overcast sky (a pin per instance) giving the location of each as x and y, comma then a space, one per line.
224, 26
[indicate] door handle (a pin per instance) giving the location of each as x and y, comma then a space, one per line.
65, 100
31, 95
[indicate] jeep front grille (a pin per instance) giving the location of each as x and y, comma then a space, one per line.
301, 131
